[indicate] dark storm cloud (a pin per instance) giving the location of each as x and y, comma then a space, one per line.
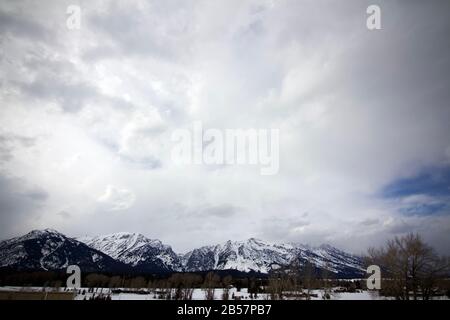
19, 25
18, 204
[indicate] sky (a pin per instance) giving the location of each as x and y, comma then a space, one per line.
87, 115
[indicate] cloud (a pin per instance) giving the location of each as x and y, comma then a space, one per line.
116, 198
64, 214
37, 195
19, 205
146, 162
16, 25
87, 117
221, 211
10, 142
422, 204
290, 229
141, 28
370, 222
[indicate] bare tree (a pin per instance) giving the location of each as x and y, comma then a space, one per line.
226, 283
97, 280
410, 267
138, 283
189, 281
274, 286
308, 279
326, 282
294, 279
115, 282
209, 285
280, 284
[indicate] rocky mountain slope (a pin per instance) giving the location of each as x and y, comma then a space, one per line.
261, 256
50, 250
133, 252
137, 251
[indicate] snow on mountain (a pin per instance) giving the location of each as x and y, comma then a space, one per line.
50, 250
136, 250
260, 256
332, 259
249, 255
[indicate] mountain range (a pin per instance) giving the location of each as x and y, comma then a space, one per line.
133, 252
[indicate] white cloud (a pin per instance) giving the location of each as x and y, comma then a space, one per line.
356, 110
116, 198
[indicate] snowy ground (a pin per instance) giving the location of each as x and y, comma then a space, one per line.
198, 294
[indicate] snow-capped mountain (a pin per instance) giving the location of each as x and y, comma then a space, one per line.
260, 256
134, 249
332, 259
250, 255
133, 252
50, 250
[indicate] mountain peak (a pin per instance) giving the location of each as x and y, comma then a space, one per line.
136, 250
254, 240
46, 230
41, 232
49, 249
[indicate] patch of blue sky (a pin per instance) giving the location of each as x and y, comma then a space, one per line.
423, 208
432, 181
428, 192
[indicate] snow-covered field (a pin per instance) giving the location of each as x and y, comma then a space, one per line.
198, 294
